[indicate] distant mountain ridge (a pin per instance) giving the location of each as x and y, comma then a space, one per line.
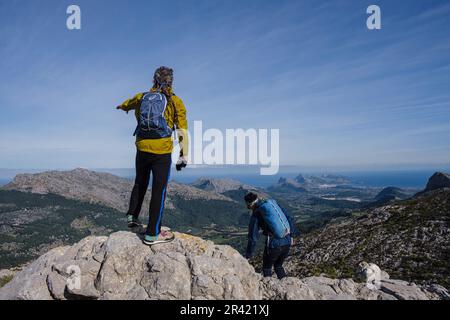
219, 185
102, 188
302, 183
287, 185
324, 180
78, 184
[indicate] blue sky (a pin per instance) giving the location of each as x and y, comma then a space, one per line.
342, 96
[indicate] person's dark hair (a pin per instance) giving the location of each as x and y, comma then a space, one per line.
250, 197
163, 79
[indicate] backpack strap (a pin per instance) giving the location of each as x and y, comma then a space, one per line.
174, 109
137, 127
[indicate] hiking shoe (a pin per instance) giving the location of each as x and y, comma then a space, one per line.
133, 222
164, 237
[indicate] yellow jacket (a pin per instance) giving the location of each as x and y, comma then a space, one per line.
175, 115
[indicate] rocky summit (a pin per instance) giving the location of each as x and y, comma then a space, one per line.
121, 267
437, 181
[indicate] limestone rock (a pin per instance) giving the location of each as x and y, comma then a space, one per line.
121, 267
30, 284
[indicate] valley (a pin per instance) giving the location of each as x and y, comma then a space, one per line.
41, 211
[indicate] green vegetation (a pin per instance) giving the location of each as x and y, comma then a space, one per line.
199, 213
32, 224
4, 280
223, 222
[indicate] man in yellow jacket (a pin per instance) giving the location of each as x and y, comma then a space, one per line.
159, 113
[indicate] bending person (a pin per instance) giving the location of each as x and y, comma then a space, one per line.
279, 228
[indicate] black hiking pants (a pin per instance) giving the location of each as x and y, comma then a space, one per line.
274, 258
159, 166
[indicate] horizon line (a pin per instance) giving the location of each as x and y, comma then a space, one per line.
397, 167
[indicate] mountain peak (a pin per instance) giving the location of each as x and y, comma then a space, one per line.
219, 185
121, 267
282, 180
391, 193
287, 185
437, 181
77, 184
300, 179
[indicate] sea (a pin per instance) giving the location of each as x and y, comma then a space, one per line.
416, 179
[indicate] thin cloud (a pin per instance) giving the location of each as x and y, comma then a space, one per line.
338, 92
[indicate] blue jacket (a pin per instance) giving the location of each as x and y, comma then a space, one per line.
257, 223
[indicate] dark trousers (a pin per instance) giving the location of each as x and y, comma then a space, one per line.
274, 258
159, 166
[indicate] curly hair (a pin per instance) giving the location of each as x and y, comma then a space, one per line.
163, 79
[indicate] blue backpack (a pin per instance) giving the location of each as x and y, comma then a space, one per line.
151, 123
275, 218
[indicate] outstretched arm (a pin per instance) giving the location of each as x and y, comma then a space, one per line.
131, 104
